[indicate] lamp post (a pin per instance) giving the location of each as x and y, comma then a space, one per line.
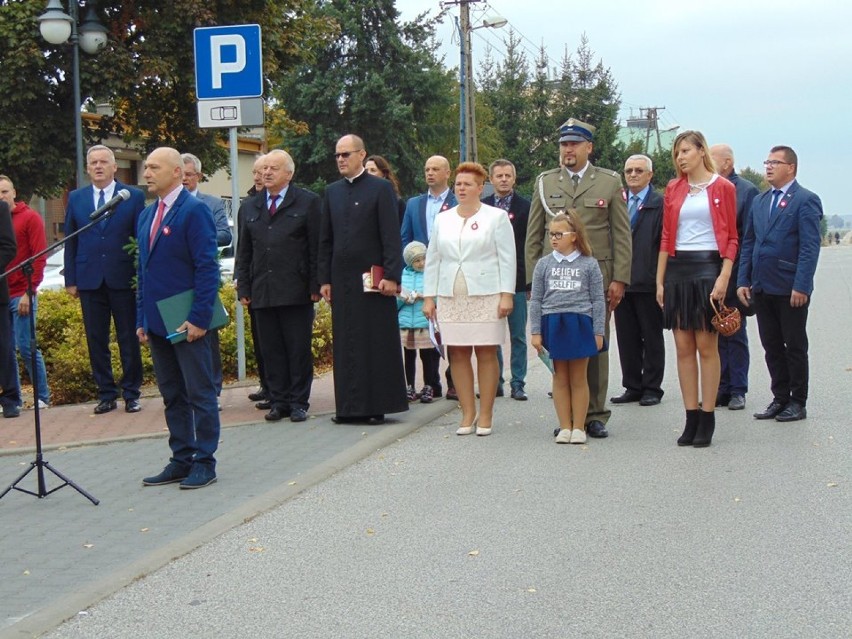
57, 27
467, 115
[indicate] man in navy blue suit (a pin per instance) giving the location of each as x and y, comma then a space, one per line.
177, 252
517, 207
733, 350
778, 259
419, 218
99, 270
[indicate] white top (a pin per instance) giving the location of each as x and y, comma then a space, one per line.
482, 246
695, 224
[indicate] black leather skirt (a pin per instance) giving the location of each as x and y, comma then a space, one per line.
690, 277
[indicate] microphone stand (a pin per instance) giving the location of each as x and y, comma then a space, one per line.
39, 464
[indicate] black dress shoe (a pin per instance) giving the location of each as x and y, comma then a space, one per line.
596, 428
298, 415
265, 404
626, 397
274, 415
649, 400
13, 410
771, 411
259, 396
792, 413
105, 406
375, 420
132, 406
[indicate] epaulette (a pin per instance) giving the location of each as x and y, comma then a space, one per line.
614, 174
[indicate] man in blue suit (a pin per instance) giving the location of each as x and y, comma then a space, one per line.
191, 177
778, 259
419, 219
99, 270
733, 350
177, 252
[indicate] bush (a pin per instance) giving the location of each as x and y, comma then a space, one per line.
62, 341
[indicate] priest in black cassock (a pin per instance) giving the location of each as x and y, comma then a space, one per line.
359, 228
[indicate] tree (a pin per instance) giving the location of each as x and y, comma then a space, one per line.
380, 79
758, 179
146, 73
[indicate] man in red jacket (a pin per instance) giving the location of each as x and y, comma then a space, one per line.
29, 234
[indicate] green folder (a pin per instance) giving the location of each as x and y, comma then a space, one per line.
175, 310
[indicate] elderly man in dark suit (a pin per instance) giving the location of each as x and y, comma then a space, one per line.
276, 274
639, 319
419, 218
778, 260
99, 270
10, 395
502, 175
733, 350
177, 253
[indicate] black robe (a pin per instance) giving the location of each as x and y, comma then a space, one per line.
359, 228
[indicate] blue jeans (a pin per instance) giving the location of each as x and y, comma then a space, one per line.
184, 374
23, 338
734, 358
518, 336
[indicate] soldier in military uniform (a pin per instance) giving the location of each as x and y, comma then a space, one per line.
597, 195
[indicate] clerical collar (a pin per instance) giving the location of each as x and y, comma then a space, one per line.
573, 255
352, 179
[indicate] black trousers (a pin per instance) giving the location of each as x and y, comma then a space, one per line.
258, 353
430, 359
285, 340
9, 381
641, 349
783, 334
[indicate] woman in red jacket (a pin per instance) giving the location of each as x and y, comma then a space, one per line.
697, 249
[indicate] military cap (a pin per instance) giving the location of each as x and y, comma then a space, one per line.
575, 131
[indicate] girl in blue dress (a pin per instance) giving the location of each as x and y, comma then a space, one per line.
567, 315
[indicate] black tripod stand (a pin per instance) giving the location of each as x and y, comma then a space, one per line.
40, 463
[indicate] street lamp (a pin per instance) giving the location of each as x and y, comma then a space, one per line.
57, 27
467, 116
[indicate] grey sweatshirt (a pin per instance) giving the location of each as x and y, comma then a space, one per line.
567, 287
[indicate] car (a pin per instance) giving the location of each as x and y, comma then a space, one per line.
54, 272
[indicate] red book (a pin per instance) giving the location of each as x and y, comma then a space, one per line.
372, 278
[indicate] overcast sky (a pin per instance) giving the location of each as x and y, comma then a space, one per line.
750, 73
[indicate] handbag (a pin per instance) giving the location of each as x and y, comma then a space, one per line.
725, 319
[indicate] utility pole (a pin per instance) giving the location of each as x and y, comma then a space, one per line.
650, 114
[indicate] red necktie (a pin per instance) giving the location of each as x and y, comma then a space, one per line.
272, 206
158, 219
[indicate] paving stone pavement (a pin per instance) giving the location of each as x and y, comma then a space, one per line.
440, 536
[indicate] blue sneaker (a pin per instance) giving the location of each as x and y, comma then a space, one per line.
200, 476
174, 472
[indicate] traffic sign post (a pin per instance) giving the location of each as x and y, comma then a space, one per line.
229, 86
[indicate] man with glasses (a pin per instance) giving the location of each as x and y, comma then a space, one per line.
778, 260
597, 196
191, 177
639, 319
359, 230
733, 350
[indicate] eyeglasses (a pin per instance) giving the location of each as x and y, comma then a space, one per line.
636, 171
559, 235
774, 163
345, 154
190, 174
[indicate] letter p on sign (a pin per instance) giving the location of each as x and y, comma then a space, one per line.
228, 62
220, 68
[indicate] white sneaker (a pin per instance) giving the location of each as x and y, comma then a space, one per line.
43, 404
564, 436
578, 436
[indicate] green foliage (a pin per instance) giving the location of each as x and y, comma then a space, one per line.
63, 344
379, 79
145, 72
755, 177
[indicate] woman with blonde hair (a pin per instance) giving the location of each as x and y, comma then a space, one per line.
470, 269
697, 250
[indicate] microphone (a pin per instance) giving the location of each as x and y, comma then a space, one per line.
122, 195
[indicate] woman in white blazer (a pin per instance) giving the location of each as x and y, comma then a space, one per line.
470, 269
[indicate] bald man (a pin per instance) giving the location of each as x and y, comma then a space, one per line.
177, 252
733, 350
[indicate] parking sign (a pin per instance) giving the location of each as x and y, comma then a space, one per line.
228, 62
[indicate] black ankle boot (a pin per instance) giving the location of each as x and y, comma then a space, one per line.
689, 429
706, 426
